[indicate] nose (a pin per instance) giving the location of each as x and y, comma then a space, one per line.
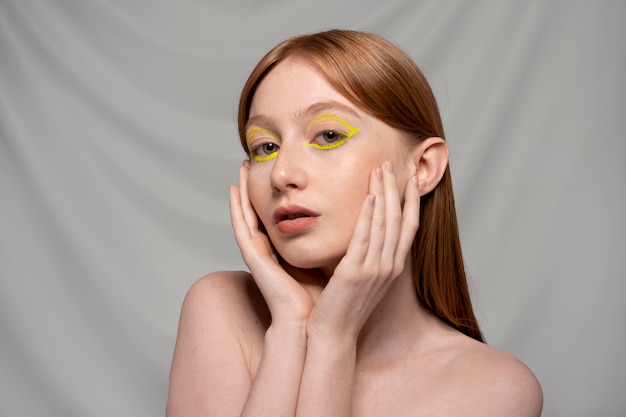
288, 171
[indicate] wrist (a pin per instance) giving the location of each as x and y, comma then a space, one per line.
290, 332
332, 356
340, 343
332, 335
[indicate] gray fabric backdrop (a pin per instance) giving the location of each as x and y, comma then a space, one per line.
118, 143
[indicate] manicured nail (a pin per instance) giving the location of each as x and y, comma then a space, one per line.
379, 174
389, 167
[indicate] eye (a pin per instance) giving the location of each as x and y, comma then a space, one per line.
264, 151
329, 139
331, 131
263, 143
329, 136
268, 148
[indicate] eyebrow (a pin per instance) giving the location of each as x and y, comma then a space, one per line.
326, 106
261, 120
314, 109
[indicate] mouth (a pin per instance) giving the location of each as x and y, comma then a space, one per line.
294, 219
292, 212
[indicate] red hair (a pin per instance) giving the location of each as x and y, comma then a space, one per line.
381, 79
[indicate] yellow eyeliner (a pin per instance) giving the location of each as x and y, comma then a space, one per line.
254, 131
330, 116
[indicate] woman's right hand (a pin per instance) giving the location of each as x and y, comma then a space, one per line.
377, 255
289, 296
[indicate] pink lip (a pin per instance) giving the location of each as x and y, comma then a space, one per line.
294, 219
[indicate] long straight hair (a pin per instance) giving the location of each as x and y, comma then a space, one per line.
381, 79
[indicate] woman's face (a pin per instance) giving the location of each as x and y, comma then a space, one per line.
312, 152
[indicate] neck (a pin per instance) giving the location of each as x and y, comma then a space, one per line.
399, 324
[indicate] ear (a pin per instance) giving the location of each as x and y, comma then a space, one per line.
431, 159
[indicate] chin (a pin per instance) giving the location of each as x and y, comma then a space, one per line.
326, 264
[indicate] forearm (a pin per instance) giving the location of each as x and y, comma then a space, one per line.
328, 378
274, 391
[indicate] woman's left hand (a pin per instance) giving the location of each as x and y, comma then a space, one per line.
376, 256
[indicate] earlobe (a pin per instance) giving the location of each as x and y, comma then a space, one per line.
431, 161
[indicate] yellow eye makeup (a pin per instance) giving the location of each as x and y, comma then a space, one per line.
261, 150
343, 134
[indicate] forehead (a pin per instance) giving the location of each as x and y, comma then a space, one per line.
294, 85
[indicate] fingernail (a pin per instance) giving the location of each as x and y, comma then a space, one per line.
389, 167
415, 181
379, 174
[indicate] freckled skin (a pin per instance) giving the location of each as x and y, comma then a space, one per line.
331, 179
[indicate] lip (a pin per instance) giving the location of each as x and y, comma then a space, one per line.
294, 219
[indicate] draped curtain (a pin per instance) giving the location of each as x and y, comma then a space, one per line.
118, 144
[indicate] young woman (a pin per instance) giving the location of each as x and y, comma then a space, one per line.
356, 303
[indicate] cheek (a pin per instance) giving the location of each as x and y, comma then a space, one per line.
357, 171
350, 184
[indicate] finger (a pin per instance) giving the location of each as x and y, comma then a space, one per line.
377, 224
359, 242
393, 213
237, 219
410, 218
248, 211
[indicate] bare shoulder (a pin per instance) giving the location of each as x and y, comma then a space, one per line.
233, 293
222, 323
228, 304
495, 383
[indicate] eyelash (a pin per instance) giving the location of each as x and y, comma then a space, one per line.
344, 133
266, 156
341, 137
328, 144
